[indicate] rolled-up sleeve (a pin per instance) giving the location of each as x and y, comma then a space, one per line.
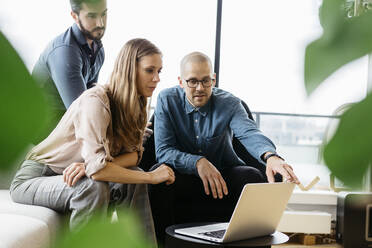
91, 125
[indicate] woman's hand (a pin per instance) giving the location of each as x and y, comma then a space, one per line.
73, 172
162, 174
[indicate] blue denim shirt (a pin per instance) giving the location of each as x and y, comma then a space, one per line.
67, 67
184, 134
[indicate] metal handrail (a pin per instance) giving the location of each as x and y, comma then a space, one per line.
297, 115
258, 116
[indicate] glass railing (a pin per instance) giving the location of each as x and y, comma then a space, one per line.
299, 138
294, 129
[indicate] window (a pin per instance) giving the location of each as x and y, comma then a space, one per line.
262, 58
299, 139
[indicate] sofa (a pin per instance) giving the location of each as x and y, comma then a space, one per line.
25, 226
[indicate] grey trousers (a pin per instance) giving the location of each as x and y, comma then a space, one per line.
37, 184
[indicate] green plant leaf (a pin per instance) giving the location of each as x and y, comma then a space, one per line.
331, 15
126, 233
23, 107
343, 41
348, 153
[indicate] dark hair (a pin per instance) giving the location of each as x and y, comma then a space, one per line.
76, 4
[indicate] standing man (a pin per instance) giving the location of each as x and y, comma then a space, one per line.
71, 62
194, 126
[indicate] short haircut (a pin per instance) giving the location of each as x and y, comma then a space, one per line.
195, 57
76, 4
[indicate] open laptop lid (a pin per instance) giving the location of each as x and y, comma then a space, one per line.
258, 211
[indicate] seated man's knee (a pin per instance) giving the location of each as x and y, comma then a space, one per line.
254, 175
246, 174
239, 176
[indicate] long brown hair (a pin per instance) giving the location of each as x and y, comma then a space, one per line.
128, 108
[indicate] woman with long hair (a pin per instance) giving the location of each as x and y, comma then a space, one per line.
89, 160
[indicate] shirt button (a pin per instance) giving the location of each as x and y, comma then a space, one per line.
196, 120
197, 137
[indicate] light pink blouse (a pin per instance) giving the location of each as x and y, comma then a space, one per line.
82, 135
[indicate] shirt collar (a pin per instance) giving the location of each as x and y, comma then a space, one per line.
79, 35
202, 110
82, 40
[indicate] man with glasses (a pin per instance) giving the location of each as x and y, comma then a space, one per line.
194, 126
71, 62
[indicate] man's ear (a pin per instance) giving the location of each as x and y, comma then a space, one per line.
75, 16
180, 82
214, 80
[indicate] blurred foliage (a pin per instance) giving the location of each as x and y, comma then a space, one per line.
125, 233
346, 37
348, 153
343, 40
23, 107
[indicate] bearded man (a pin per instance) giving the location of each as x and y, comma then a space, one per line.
71, 62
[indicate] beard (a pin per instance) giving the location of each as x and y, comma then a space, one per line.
89, 34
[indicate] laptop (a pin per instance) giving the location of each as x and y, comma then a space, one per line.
257, 213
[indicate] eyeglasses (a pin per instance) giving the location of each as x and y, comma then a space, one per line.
193, 83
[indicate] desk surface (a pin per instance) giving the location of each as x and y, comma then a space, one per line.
180, 241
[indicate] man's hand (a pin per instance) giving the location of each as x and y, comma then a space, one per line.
162, 174
148, 132
73, 172
212, 177
276, 165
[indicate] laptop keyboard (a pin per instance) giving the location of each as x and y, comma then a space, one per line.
215, 234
